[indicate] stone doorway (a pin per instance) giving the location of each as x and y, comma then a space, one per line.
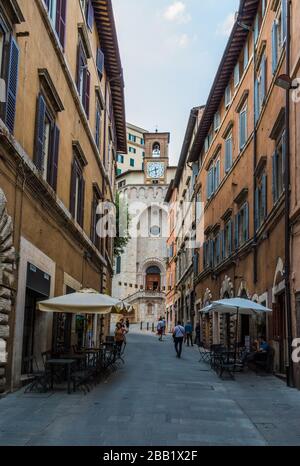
153, 279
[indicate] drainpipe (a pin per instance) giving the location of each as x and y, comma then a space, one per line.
290, 374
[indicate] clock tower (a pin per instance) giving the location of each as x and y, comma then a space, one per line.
156, 159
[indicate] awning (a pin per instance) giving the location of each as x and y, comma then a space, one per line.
86, 301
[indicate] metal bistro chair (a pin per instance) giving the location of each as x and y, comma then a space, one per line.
205, 355
40, 379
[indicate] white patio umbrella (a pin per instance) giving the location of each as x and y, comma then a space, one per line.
233, 305
85, 301
236, 306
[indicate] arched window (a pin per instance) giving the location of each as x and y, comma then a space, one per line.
156, 149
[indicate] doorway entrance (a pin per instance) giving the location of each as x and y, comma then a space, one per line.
37, 289
153, 279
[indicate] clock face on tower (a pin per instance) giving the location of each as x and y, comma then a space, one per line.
155, 170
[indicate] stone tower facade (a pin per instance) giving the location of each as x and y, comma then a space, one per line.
140, 273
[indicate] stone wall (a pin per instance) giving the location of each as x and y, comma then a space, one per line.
7, 258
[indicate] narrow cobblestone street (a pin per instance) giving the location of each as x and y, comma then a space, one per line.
156, 399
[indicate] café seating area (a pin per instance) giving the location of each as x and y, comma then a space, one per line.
236, 359
78, 369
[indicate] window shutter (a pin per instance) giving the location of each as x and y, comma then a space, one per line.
53, 159
223, 240
218, 172
256, 28
236, 228
208, 185
274, 47
12, 84
87, 93
274, 177
257, 216
264, 78
100, 62
283, 152
81, 203
246, 225
256, 99
283, 19
218, 258
204, 255
230, 238
39, 132
211, 253
246, 55
90, 15
212, 181
61, 20
264, 196
79, 61
98, 126
228, 154
73, 188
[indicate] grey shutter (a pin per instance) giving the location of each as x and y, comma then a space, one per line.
256, 100
264, 196
12, 84
274, 47
236, 231
40, 132
230, 237
81, 203
264, 78
246, 221
257, 216
274, 177
53, 159
73, 188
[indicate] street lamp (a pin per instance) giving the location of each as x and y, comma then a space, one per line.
285, 82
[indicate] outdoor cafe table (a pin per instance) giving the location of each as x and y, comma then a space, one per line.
67, 363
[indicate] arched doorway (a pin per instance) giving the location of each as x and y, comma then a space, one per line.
153, 278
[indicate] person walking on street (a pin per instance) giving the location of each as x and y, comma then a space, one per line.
119, 337
160, 328
164, 325
198, 334
127, 324
178, 336
188, 333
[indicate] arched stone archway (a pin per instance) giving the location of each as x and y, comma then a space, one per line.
7, 259
146, 265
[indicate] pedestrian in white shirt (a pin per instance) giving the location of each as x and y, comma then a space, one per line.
178, 336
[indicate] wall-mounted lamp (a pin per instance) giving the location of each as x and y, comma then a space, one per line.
285, 82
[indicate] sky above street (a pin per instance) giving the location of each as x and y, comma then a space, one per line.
170, 52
